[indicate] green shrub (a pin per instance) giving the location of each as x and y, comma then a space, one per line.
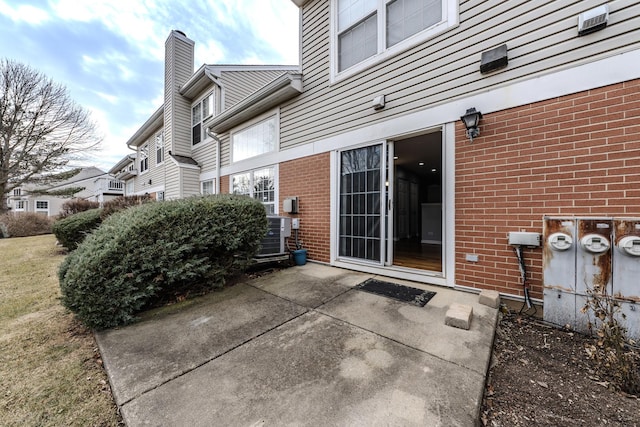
121, 203
72, 230
144, 254
74, 206
24, 224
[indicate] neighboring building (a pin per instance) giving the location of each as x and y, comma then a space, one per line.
371, 142
96, 185
175, 156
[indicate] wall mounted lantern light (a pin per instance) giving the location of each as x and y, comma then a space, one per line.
471, 119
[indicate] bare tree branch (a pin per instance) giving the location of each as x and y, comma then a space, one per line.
41, 128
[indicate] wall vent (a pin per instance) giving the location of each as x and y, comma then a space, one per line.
593, 20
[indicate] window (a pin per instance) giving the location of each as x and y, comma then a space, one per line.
200, 111
144, 158
208, 187
21, 205
42, 206
160, 196
17, 192
259, 184
366, 29
159, 148
256, 139
129, 190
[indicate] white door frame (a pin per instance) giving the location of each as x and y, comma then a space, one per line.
446, 278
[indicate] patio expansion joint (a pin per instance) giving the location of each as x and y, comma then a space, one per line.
297, 303
229, 350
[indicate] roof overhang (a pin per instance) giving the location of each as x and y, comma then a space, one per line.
273, 94
148, 128
200, 80
300, 3
125, 161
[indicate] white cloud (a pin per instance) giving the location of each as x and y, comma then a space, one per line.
111, 99
209, 52
272, 21
24, 13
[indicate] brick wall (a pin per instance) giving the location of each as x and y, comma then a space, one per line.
574, 155
224, 184
309, 179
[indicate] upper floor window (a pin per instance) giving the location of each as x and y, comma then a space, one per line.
17, 192
366, 31
256, 139
200, 111
159, 148
144, 158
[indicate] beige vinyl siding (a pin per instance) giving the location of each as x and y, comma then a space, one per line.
240, 84
225, 152
541, 37
155, 173
177, 114
205, 154
190, 182
172, 183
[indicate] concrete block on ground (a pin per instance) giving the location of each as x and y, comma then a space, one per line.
459, 316
490, 298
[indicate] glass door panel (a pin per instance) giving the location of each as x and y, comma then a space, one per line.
361, 212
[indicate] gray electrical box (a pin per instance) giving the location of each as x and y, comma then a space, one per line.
524, 238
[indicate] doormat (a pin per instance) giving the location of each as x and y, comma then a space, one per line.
398, 292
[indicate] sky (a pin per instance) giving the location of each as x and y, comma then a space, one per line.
110, 53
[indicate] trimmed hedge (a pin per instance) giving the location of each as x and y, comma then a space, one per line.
146, 253
123, 202
73, 229
23, 224
74, 206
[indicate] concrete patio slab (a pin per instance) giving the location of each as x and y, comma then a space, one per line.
301, 346
311, 285
423, 328
145, 355
315, 370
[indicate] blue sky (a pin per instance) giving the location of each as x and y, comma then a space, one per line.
109, 53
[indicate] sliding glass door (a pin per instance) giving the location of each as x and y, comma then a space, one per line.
362, 204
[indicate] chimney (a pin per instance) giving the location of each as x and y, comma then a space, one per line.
178, 68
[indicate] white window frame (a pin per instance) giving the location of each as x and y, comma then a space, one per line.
20, 205
42, 210
449, 20
143, 158
275, 115
159, 144
210, 101
213, 187
276, 185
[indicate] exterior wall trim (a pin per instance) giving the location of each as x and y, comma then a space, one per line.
596, 74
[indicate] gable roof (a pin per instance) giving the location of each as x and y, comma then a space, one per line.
274, 93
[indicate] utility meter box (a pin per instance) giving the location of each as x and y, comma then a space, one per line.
524, 238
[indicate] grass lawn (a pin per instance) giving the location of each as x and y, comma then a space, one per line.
50, 368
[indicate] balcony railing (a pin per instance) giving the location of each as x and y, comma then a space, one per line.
106, 185
126, 174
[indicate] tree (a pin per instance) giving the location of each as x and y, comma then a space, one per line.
41, 128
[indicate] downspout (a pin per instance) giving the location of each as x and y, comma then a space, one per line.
218, 144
